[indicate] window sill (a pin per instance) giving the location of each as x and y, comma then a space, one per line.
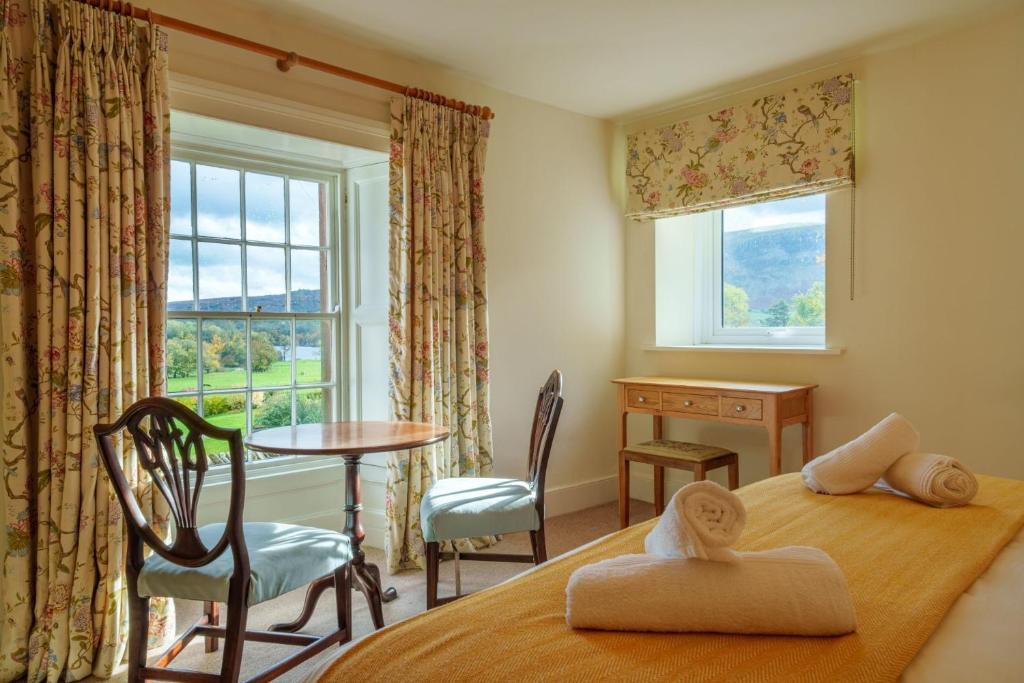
739, 348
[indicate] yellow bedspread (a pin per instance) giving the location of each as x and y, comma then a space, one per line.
906, 564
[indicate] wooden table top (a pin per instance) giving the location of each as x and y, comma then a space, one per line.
715, 384
345, 438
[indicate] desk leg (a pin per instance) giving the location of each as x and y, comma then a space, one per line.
623, 463
774, 448
659, 473
809, 428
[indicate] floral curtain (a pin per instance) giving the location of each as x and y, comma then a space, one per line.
83, 206
794, 143
438, 309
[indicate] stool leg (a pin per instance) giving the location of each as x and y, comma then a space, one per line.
699, 472
659, 489
734, 474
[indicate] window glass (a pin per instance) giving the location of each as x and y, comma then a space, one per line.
773, 264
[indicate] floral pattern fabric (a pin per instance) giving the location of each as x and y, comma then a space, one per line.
84, 173
437, 311
794, 143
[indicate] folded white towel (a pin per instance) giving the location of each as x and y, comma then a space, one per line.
937, 480
788, 591
701, 521
856, 465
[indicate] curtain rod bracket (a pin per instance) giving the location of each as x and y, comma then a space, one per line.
288, 62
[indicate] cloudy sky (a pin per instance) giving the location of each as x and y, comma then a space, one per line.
218, 214
809, 209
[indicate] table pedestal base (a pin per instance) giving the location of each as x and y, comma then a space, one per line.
366, 575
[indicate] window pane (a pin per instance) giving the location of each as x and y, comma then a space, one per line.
182, 355
218, 207
271, 409
773, 264
308, 281
181, 198
220, 277
271, 353
227, 411
304, 210
312, 405
264, 207
179, 276
311, 337
264, 268
223, 354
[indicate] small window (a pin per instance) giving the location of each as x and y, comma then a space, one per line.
754, 275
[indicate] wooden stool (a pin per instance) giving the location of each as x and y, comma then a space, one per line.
695, 457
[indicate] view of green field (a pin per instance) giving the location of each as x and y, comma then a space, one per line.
307, 371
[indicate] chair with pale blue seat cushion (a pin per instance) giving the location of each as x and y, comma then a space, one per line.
282, 557
471, 507
241, 564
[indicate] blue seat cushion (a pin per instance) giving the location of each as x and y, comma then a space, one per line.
282, 557
467, 507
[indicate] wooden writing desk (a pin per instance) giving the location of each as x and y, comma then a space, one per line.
772, 406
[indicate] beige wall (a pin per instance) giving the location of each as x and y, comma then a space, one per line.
554, 231
937, 325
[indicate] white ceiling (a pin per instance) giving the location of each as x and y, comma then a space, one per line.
613, 58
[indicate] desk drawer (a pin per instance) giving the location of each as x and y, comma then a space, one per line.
699, 404
643, 398
741, 408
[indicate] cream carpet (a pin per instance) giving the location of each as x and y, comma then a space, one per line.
563, 534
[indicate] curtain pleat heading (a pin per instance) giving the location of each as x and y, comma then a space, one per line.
793, 143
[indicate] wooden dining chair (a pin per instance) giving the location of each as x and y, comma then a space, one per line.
470, 507
241, 564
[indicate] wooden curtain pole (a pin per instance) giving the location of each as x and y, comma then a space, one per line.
285, 60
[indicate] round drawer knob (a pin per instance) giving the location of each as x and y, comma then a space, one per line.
687, 403
740, 409
641, 399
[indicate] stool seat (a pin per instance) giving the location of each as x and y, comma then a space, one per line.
679, 450
681, 455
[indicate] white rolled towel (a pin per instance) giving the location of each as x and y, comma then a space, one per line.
857, 465
937, 480
700, 521
796, 591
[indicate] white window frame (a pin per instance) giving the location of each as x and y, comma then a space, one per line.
231, 157
709, 304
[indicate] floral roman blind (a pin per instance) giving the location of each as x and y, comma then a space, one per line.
793, 143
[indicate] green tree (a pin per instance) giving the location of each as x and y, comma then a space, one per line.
735, 307
777, 315
808, 309
263, 352
181, 357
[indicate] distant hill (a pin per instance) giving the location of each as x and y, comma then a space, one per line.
774, 264
306, 300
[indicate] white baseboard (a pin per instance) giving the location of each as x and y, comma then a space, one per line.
561, 500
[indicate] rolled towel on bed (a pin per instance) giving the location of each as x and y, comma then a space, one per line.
937, 480
700, 521
856, 465
795, 591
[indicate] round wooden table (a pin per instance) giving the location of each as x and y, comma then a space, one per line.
350, 441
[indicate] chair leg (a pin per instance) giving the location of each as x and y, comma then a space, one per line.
138, 634
212, 611
540, 551
234, 636
734, 475
433, 565
659, 489
343, 599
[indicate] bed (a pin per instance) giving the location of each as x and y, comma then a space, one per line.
907, 564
